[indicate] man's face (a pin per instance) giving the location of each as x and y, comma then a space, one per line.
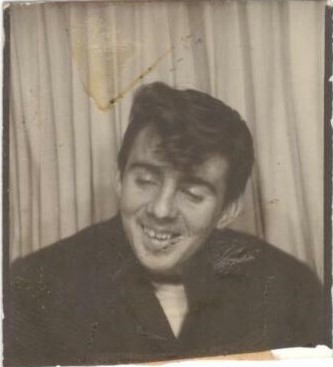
167, 214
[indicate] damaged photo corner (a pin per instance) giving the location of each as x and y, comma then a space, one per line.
167, 190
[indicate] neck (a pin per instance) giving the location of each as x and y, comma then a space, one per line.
166, 278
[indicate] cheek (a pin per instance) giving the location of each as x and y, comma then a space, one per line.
132, 197
201, 218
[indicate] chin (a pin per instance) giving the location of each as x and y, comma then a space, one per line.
159, 262
162, 253
167, 261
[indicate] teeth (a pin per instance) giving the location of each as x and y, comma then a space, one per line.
155, 235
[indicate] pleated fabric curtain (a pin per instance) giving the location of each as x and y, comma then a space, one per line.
74, 67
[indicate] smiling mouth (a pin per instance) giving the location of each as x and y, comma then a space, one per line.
160, 240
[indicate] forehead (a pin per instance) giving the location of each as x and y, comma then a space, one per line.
144, 150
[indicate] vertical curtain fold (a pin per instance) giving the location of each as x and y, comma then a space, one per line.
250, 106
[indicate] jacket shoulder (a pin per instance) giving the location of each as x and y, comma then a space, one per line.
286, 290
76, 254
234, 251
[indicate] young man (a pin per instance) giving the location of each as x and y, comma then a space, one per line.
159, 281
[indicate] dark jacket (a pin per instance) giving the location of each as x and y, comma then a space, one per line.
87, 300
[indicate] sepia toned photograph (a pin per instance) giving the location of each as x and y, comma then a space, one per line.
167, 180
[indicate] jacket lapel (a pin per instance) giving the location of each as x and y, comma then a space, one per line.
218, 280
137, 293
118, 273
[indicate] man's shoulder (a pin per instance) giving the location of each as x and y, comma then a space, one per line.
275, 286
75, 254
262, 266
241, 253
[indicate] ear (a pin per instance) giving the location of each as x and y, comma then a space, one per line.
230, 213
117, 182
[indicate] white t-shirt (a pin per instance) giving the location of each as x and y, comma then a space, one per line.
173, 300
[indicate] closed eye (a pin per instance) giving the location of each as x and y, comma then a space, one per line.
142, 181
195, 197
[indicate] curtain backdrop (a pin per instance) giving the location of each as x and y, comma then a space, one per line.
74, 67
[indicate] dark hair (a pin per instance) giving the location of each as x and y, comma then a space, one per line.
192, 126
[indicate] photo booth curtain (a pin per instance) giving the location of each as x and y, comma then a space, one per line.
75, 66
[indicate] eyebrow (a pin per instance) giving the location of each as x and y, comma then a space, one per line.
155, 170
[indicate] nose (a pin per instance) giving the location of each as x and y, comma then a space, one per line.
163, 204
